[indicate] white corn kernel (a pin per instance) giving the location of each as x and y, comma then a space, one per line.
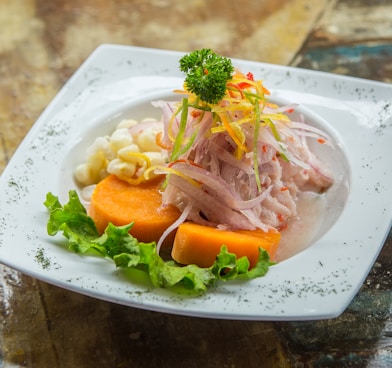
83, 174
122, 154
121, 168
100, 144
137, 158
126, 123
146, 140
101, 147
97, 161
155, 158
126, 152
120, 138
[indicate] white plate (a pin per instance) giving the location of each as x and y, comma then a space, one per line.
316, 283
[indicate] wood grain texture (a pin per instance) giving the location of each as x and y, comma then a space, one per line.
352, 38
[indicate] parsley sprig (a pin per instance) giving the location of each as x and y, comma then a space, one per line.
206, 74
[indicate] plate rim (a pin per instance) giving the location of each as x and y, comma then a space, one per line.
101, 52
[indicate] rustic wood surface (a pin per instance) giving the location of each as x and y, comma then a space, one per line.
43, 42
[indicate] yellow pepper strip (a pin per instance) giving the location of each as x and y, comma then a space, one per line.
232, 133
142, 158
281, 117
170, 126
132, 181
169, 170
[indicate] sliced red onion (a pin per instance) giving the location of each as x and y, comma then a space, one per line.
229, 194
212, 208
184, 215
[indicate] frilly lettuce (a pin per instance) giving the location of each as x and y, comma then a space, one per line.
127, 252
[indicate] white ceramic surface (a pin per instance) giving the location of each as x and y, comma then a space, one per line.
119, 81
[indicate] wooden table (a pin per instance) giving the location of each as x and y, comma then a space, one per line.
43, 42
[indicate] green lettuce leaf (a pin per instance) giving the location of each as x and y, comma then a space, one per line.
127, 252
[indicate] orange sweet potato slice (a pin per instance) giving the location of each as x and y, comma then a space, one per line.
118, 202
198, 244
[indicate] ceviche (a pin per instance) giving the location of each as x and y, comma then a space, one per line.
205, 192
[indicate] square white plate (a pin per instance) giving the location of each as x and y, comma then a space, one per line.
317, 283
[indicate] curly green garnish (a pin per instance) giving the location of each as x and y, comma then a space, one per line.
206, 74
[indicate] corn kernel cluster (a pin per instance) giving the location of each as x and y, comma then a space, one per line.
126, 153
